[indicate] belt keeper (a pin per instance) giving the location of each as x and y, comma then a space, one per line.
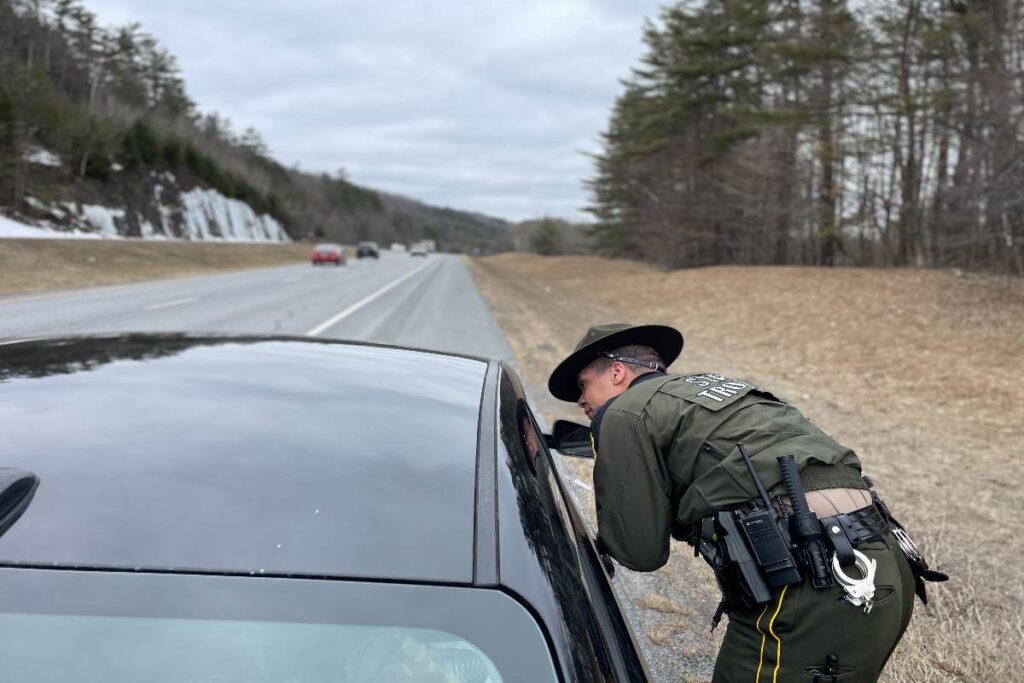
835, 532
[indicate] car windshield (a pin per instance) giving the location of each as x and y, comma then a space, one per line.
326, 247
121, 627
49, 648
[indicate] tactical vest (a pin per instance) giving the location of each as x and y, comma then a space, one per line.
699, 420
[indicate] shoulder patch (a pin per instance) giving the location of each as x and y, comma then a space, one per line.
708, 389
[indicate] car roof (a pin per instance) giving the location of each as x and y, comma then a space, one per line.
258, 455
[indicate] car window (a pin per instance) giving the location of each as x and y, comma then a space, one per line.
61, 626
606, 609
536, 450
47, 648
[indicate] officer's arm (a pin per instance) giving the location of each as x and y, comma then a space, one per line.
634, 515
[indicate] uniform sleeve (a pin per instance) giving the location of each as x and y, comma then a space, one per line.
634, 513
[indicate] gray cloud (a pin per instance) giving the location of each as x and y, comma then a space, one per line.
481, 105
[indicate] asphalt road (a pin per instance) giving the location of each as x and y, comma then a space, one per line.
430, 303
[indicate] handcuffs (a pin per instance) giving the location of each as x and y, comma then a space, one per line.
859, 592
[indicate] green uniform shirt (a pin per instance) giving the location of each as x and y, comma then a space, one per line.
666, 455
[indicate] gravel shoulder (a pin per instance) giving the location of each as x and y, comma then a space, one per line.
918, 371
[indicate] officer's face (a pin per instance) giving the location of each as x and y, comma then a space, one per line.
597, 388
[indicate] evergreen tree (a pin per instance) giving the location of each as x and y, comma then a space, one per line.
801, 131
546, 238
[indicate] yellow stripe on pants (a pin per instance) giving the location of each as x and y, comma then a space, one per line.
778, 646
778, 643
760, 658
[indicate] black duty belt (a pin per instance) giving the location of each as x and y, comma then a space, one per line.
847, 530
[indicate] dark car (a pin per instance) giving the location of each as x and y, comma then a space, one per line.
328, 253
367, 250
199, 518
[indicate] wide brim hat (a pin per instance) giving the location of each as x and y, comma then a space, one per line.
564, 381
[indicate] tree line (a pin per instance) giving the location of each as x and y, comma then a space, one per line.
882, 132
103, 97
113, 104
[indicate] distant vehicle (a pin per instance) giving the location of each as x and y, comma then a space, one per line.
328, 253
431, 245
398, 247
368, 250
418, 249
434, 542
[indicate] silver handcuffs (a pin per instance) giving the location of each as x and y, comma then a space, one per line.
859, 592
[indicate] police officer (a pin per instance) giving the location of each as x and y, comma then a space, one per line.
666, 449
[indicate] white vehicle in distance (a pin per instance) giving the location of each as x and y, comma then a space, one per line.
398, 247
418, 249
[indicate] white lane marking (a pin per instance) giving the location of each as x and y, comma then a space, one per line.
583, 485
359, 304
168, 304
291, 279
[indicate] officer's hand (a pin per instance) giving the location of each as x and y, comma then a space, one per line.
606, 560
609, 564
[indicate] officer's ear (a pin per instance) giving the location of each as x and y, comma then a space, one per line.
620, 373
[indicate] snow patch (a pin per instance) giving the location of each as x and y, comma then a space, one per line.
103, 218
42, 157
207, 214
37, 205
199, 214
148, 230
10, 228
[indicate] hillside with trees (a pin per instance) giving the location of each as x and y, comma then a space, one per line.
97, 121
884, 132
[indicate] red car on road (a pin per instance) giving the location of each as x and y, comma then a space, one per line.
328, 253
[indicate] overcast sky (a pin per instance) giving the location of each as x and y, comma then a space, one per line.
485, 105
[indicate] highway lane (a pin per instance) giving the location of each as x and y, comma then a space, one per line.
428, 303
443, 310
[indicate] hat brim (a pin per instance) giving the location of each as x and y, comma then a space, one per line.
564, 381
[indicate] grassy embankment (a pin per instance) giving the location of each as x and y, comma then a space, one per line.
33, 265
918, 371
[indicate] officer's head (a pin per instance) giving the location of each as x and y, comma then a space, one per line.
611, 373
608, 358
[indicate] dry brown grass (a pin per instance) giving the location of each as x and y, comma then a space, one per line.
919, 371
659, 603
31, 265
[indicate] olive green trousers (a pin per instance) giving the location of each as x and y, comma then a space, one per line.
792, 637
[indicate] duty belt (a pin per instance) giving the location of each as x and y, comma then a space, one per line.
847, 530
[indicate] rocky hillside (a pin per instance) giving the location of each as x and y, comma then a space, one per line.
152, 204
98, 134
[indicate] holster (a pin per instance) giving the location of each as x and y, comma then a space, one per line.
705, 544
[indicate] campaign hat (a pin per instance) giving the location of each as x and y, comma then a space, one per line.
564, 384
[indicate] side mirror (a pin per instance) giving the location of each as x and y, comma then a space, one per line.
569, 438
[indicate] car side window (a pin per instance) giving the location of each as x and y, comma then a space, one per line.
544, 467
557, 586
595, 584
